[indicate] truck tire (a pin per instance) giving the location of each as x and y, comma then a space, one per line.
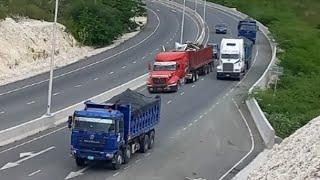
196, 76
80, 162
151, 141
144, 145
117, 161
126, 155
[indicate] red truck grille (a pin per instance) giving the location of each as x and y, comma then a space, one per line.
159, 81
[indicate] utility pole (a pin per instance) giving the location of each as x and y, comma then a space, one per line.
182, 23
204, 10
52, 57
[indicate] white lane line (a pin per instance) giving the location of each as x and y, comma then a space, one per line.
184, 129
148, 154
111, 72
251, 138
2, 112
127, 167
151, 53
202, 79
115, 174
56, 94
190, 124
196, 120
182, 93
77, 86
137, 160
143, 57
201, 116
36, 172
92, 64
169, 102
95, 79
123, 67
193, 86
134, 62
32, 140
31, 102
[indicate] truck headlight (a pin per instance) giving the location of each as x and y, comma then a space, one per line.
109, 155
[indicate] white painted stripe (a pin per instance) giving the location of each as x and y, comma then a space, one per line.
111, 72
115, 174
31, 102
79, 85
123, 67
190, 124
134, 62
193, 86
55, 94
2, 112
251, 138
137, 160
184, 129
182, 93
127, 167
36, 172
169, 102
95, 79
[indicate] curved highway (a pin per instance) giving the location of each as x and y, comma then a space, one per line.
205, 129
26, 100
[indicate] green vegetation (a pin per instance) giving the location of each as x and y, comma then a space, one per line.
295, 24
92, 22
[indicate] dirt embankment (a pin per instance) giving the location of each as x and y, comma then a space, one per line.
26, 46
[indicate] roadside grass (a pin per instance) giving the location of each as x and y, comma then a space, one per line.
295, 24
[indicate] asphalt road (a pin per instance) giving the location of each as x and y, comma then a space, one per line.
26, 100
203, 132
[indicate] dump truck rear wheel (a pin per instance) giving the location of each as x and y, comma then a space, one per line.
80, 162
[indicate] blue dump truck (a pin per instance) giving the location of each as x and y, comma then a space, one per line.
248, 48
114, 130
248, 28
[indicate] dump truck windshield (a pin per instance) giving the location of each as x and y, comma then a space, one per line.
158, 67
248, 27
94, 124
229, 56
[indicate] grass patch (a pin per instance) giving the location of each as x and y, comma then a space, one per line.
295, 24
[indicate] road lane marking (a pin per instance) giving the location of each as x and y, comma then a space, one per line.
115, 174
55, 94
31, 102
193, 86
134, 62
201, 116
123, 67
32, 140
169, 102
2, 112
127, 167
251, 138
184, 129
190, 124
92, 64
111, 72
74, 174
148, 154
143, 57
182, 93
95, 79
36, 172
77, 86
137, 160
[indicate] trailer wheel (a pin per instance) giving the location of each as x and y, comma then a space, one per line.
151, 141
117, 161
126, 155
80, 162
144, 146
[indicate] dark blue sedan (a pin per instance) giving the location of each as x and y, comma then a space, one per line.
221, 29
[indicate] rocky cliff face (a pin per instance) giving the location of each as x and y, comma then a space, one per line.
296, 158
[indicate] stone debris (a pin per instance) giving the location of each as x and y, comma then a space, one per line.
296, 158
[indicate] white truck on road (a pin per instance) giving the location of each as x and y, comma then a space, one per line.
235, 57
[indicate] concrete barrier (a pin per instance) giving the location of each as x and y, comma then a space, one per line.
32, 127
265, 129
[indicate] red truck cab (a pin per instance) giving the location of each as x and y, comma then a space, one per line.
173, 68
168, 71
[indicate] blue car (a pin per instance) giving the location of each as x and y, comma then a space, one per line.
221, 29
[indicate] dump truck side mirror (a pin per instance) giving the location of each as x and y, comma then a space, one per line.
69, 122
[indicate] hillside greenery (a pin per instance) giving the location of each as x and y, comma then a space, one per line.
92, 22
295, 24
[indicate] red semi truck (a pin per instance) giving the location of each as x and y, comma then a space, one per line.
183, 65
